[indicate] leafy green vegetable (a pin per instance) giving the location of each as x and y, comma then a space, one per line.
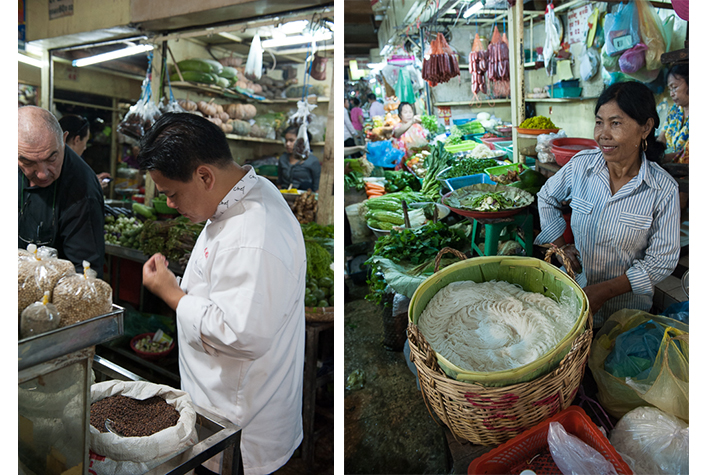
456, 136
436, 162
470, 166
430, 123
400, 180
484, 197
354, 180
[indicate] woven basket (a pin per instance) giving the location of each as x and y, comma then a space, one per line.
320, 314
490, 416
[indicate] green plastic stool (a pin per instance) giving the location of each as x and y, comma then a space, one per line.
502, 229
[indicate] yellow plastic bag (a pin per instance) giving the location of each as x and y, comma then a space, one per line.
666, 385
651, 32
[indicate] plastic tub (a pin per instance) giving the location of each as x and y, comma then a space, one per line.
491, 141
359, 231
566, 148
503, 169
560, 92
515, 455
507, 147
461, 181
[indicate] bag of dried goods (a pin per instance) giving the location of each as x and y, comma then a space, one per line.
155, 422
79, 297
39, 317
37, 274
652, 441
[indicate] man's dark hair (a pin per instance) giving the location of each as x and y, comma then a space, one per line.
178, 143
371, 97
637, 101
355, 101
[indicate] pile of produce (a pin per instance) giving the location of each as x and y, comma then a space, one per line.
210, 72
374, 189
510, 176
430, 123
319, 256
538, 122
123, 231
386, 212
441, 64
483, 151
403, 259
174, 238
400, 180
305, 207
231, 118
470, 166
456, 136
417, 163
483, 197
436, 162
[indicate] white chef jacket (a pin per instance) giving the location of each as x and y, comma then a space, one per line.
241, 326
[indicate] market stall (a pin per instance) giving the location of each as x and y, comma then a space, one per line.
501, 96
254, 70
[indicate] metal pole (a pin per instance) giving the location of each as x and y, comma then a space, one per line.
517, 72
427, 89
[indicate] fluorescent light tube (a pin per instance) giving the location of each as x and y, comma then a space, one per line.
100, 58
293, 27
29, 60
295, 40
474, 9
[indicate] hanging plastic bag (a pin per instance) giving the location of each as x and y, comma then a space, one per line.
652, 441
254, 60
609, 63
318, 67
651, 33
589, 65
552, 38
663, 384
633, 59
79, 297
40, 317
621, 29
667, 30
168, 103
573, 456
403, 89
302, 147
141, 115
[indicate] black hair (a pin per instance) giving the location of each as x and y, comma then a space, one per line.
76, 125
178, 143
637, 101
401, 107
293, 129
680, 70
355, 101
371, 97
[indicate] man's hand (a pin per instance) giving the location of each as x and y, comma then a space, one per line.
161, 281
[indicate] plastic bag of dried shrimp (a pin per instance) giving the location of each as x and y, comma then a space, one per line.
79, 297
38, 272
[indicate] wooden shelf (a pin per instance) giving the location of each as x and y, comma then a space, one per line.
677, 56
258, 139
562, 99
470, 103
243, 95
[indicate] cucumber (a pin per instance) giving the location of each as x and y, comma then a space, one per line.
216, 65
195, 76
200, 65
143, 210
228, 72
223, 82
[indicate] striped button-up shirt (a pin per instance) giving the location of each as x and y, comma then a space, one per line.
635, 231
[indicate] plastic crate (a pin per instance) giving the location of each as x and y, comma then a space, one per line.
518, 453
560, 92
461, 181
506, 146
491, 141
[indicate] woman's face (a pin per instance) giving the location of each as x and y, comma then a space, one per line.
618, 135
407, 113
678, 89
289, 141
78, 144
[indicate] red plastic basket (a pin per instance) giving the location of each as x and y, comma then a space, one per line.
565, 148
530, 450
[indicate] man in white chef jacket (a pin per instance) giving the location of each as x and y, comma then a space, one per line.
240, 304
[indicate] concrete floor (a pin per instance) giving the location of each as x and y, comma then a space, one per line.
388, 429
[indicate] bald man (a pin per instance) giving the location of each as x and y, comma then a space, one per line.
60, 203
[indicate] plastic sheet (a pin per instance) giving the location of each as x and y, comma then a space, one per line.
383, 154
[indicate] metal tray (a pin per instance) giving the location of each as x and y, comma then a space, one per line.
62, 341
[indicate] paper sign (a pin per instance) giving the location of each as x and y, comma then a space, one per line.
577, 23
60, 8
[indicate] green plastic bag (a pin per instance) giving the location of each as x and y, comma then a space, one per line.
665, 386
403, 89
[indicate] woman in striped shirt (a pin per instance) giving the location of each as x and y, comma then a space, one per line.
625, 207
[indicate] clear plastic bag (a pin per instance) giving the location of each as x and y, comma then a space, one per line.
652, 442
254, 60
573, 456
39, 317
141, 115
552, 38
544, 146
79, 297
621, 29
39, 273
651, 33
302, 147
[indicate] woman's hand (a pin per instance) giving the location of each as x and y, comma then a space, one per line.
598, 294
572, 254
416, 119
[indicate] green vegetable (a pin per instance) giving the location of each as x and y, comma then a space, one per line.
456, 136
143, 210
322, 303
386, 216
470, 166
381, 225
400, 180
196, 64
538, 122
195, 76
430, 123
437, 161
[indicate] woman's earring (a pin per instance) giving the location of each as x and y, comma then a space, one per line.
645, 145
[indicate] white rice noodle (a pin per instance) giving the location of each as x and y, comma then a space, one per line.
494, 326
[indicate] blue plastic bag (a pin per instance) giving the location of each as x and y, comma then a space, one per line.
679, 311
383, 154
635, 351
621, 29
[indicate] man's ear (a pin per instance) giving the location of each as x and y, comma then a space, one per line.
206, 176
